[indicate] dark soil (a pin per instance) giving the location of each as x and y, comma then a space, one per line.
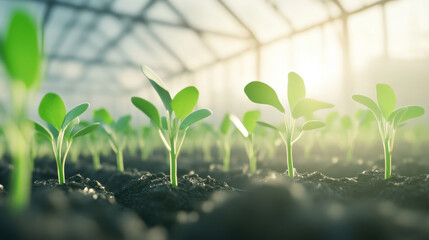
329, 199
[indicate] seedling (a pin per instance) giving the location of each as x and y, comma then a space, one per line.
21, 57
299, 105
62, 127
178, 116
247, 129
225, 136
388, 119
116, 132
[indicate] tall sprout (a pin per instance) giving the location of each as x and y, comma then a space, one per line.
179, 116
20, 52
299, 105
388, 119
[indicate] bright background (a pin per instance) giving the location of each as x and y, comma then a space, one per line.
94, 49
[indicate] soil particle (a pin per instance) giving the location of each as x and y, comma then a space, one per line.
157, 202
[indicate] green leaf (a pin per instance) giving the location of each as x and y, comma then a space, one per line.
159, 86
147, 108
226, 123
264, 124
398, 116
307, 106
386, 99
68, 131
74, 113
369, 103
102, 115
43, 131
86, 130
346, 123
194, 117
295, 89
164, 123
21, 52
239, 125
52, 110
365, 117
259, 92
412, 112
249, 120
184, 102
313, 124
54, 131
123, 123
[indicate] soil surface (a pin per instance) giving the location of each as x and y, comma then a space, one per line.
329, 198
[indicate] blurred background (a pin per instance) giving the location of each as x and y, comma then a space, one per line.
94, 49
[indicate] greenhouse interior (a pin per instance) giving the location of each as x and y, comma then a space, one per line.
214, 119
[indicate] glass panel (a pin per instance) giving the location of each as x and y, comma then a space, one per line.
257, 15
304, 13
225, 46
160, 11
131, 7
209, 14
186, 45
350, 5
154, 48
366, 37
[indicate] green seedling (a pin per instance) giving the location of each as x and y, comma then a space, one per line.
21, 57
299, 105
95, 143
179, 116
145, 142
247, 128
116, 132
388, 119
225, 138
351, 126
62, 128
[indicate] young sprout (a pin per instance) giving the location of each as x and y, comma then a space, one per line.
145, 141
116, 132
351, 126
21, 57
178, 116
63, 128
95, 144
388, 119
225, 144
247, 129
299, 105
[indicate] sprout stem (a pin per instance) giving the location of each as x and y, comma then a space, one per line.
387, 159
289, 159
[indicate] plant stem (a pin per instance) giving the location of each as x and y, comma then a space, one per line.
96, 160
226, 157
119, 159
289, 159
387, 159
173, 165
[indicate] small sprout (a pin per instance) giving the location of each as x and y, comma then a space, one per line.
388, 119
116, 132
299, 105
179, 116
247, 128
63, 127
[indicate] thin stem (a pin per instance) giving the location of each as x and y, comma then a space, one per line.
227, 155
173, 163
289, 160
387, 159
119, 160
